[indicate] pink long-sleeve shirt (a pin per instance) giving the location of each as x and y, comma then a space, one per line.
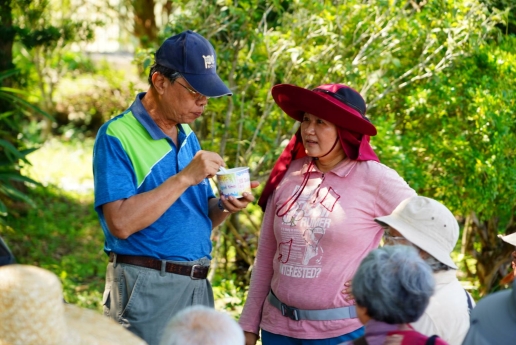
306, 255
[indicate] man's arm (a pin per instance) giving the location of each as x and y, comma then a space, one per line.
127, 216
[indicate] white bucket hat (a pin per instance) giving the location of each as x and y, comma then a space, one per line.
428, 224
511, 239
32, 312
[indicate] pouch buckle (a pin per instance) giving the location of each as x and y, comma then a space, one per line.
290, 312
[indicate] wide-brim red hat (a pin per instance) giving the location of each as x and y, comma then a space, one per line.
336, 103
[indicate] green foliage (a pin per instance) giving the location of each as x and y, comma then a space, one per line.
45, 32
12, 148
85, 101
453, 138
61, 234
508, 7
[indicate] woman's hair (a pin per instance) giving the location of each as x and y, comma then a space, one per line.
169, 73
394, 284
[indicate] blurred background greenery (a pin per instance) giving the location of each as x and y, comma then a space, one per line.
438, 77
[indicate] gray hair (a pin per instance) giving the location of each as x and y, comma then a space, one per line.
394, 284
200, 325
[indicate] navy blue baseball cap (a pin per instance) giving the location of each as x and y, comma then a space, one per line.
194, 57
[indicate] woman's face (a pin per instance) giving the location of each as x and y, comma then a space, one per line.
513, 255
319, 137
362, 314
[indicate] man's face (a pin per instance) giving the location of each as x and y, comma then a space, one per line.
181, 103
392, 237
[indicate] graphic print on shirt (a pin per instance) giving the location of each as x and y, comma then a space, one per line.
300, 253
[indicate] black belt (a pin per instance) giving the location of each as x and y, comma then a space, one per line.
194, 272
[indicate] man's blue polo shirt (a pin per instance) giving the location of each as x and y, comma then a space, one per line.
132, 155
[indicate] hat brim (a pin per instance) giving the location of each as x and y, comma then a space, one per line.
295, 101
495, 315
418, 238
93, 328
511, 239
209, 85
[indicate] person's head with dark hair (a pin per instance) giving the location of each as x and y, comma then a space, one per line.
392, 285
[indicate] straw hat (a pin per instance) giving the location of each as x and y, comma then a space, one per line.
428, 224
32, 312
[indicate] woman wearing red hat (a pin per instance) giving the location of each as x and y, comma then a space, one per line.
320, 203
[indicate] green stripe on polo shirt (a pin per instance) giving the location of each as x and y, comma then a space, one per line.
143, 151
187, 130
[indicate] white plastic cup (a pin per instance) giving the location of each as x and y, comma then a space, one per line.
234, 182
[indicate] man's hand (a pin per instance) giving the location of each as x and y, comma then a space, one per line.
205, 164
250, 338
232, 204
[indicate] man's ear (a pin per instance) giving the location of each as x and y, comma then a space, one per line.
158, 81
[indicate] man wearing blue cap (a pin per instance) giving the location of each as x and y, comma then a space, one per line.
152, 193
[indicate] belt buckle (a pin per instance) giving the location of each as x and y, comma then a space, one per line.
193, 271
290, 312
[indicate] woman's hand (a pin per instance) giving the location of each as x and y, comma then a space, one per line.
347, 291
250, 338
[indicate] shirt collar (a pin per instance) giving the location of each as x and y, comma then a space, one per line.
141, 114
445, 277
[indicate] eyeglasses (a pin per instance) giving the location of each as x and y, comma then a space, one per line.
387, 237
197, 95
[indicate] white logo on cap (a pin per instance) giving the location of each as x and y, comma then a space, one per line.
209, 61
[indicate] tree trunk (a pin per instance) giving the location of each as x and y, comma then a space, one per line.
144, 22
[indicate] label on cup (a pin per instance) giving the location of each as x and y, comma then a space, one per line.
234, 182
